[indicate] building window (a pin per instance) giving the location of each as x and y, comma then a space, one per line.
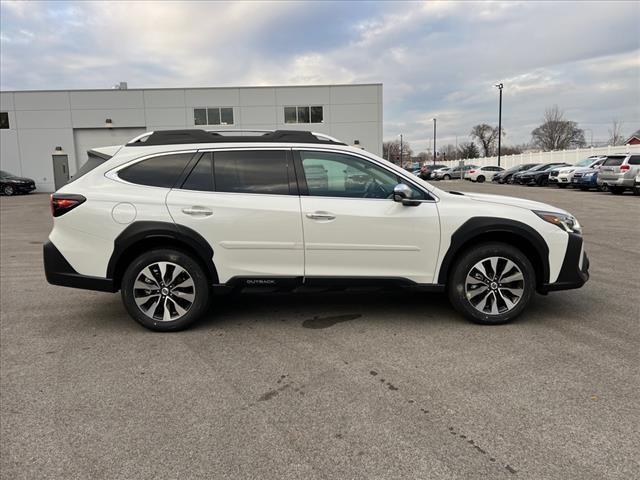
213, 116
4, 120
304, 114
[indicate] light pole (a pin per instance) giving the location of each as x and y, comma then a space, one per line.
499, 85
401, 148
434, 141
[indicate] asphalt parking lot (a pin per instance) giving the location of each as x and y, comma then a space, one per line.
361, 384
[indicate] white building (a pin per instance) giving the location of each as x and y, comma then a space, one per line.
34, 123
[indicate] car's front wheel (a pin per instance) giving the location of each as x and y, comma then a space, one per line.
492, 283
165, 290
8, 190
481, 179
447, 177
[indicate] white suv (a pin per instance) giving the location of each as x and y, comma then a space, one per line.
174, 214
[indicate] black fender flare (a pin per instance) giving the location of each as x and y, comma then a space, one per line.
478, 227
144, 231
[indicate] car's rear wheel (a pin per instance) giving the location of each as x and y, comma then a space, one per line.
480, 179
447, 177
165, 290
616, 190
8, 190
492, 283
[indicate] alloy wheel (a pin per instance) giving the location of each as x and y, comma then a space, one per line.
494, 285
164, 291
8, 190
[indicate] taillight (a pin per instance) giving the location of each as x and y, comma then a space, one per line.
61, 203
472, 171
624, 168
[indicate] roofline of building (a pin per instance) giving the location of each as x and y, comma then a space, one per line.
191, 88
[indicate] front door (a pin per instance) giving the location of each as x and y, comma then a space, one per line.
353, 228
246, 205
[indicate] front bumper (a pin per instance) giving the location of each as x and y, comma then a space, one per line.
59, 272
574, 272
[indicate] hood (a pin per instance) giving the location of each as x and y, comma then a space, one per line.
514, 202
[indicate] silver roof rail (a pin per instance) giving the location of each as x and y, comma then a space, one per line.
140, 137
323, 136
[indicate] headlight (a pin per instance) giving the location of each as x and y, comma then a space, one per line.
588, 175
568, 223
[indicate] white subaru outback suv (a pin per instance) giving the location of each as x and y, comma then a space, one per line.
175, 214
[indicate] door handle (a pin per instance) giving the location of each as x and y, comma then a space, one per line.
197, 211
321, 216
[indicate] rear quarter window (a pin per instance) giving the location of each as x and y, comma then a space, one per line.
634, 160
161, 171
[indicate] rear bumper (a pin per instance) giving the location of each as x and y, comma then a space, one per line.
59, 272
616, 181
575, 268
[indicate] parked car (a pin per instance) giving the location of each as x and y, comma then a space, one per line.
585, 179
482, 174
174, 215
618, 172
440, 172
427, 170
561, 176
456, 172
505, 176
11, 184
538, 175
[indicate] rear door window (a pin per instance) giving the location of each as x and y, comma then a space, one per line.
252, 171
201, 176
161, 171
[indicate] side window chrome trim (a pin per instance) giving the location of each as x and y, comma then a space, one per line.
375, 162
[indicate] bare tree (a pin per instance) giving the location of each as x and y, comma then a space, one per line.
486, 136
448, 152
556, 133
391, 151
615, 133
468, 150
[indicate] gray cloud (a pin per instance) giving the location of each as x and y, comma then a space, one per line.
435, 59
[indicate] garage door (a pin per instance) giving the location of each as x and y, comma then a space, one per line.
87, 138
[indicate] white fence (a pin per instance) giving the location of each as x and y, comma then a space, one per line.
568, 156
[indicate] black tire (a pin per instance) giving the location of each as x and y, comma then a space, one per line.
584, 189
616, 190
447, 177
636, 190
465, 265
8, 190
562, 185
200, 290
480, 179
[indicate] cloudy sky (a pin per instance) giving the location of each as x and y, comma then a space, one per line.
435, 59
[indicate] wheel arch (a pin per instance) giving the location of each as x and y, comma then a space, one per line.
140, 237
491, 229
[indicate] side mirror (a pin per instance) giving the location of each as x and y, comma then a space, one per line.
402, 194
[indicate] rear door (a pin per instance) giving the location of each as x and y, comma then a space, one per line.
353, 228
245, 204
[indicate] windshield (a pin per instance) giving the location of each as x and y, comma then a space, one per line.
585, 162
4, 174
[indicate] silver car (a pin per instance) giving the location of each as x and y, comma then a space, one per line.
618, 172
